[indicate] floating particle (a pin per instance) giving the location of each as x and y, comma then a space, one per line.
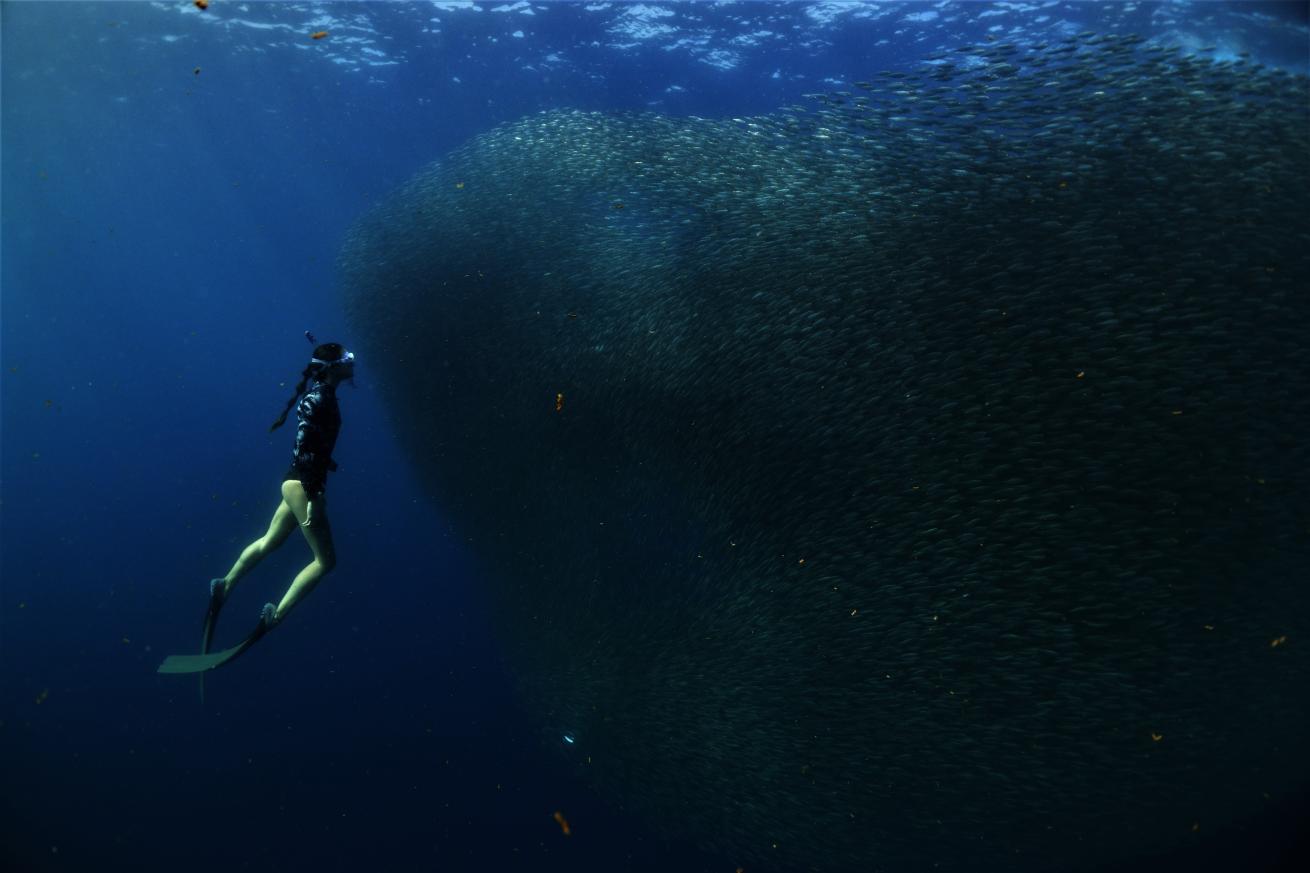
1278, 642
202, 5
318, 34
196, 71
559, 402
563, 823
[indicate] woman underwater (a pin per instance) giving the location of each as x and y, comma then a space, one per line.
318, 421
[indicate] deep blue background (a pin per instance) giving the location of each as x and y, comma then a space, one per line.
167, 237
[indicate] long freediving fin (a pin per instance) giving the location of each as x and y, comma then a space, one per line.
217, 597
214, 660
216, 601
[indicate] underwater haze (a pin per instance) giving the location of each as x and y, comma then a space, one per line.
829, 437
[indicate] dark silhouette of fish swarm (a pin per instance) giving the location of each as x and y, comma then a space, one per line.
928, 488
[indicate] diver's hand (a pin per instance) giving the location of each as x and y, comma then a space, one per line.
309, 514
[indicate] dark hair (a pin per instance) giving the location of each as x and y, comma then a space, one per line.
325, 352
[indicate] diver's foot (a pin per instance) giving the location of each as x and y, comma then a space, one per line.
217, 597
268, 616
217, 591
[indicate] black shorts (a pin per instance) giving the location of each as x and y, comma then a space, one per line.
314, 483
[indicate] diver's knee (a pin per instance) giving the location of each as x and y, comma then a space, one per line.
326, 564
271, 542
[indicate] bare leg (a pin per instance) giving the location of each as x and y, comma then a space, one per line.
284, 521
319, 536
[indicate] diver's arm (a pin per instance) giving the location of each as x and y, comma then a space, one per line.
309, 514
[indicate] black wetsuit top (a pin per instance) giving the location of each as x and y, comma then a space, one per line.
318, 421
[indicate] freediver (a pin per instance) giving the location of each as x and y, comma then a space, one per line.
318, 422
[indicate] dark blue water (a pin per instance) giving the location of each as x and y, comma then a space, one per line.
176, 186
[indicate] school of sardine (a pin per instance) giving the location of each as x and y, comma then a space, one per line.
913, 478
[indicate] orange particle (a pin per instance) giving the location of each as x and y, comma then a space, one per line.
1278, 642
563, 823
559, 402
318, 34
202, 5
